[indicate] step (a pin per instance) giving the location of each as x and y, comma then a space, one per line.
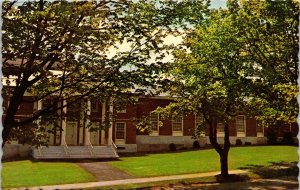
53, 152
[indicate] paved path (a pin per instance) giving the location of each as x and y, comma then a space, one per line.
104, 172
129, 181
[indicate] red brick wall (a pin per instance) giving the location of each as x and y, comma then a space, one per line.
188, 124
130, 133
146, 105
251, 127
166, 129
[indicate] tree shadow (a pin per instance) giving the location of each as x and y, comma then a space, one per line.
274, 170
232, 178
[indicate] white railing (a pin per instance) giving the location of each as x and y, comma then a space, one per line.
40, 150
90, 147
114, 145
66, 148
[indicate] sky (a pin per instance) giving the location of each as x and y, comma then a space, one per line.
218, 3
168, 40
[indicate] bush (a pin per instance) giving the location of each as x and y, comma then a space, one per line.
172, 147
196, 144
248, 143
272, 137
238, 142
288, 139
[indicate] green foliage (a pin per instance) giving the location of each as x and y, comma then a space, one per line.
243, 59
102, 49
269, 31
208, 77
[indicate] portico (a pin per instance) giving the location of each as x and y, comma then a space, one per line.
79, 137
78, 131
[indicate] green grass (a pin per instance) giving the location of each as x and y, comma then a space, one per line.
203, 160
27, 173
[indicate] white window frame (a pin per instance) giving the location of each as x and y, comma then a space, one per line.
177, 133
120, 141
156, 132
259, 133
239, 133
220, 133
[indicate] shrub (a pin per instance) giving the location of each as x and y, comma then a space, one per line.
196, 144
272, 137
288, 139
248, 143
238, 142
172, 147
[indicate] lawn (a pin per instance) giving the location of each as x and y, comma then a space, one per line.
203, 160
27, 173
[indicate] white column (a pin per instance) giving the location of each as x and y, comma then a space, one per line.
64, 123
103, 120
57, 134
39, 107
87, 122
111, 108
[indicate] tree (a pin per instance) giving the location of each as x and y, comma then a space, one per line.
82, 41
237, 59
209, 78
270, 28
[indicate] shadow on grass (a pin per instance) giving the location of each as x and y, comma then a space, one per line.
232, 178
275, 170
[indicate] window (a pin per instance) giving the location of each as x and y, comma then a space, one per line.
120, 133
154, 122
240, 122
260, 130
177, 125
220, 129
199, 128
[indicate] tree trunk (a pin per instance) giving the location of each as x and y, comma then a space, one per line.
223, 152
224, 163
8, 123
5, 134
7, 127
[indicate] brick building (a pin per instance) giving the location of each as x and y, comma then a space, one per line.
124, 136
